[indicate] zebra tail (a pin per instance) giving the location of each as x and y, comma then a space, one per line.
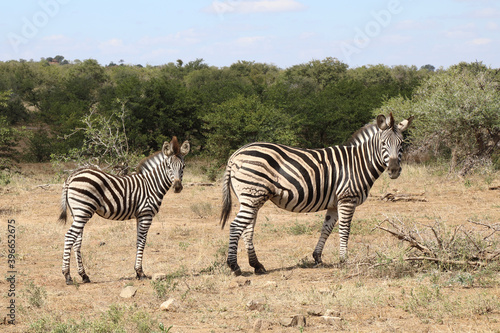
226, 197
64, 203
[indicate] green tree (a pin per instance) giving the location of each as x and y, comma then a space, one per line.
456, 114
242, 120
321, 72
105, 142
8, 135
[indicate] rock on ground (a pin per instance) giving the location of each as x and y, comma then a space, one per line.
128, 292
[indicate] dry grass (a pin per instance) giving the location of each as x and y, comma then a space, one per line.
186, 243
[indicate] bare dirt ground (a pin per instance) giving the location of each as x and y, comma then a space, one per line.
187, 244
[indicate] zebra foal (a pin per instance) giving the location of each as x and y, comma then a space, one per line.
336, 179
88, 191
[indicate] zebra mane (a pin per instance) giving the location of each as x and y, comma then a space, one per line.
362, 135
149, 163
175, 145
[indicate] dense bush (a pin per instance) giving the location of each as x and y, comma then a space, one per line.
316, 104
457, 114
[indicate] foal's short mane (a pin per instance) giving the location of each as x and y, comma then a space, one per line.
147, 162
362, 134
175, 146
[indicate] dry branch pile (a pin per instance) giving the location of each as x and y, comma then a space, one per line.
475, 247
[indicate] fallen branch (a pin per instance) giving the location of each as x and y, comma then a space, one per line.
43, 186
199, 184
439, 246
446, 261
408, 238
406, 197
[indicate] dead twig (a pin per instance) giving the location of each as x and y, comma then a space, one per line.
407, 197
199, 184
407, 238
43, 186
446, 261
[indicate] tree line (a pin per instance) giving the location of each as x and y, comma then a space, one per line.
66, 107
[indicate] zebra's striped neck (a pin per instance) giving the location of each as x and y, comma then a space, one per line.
158, 179
147, 164
367, 143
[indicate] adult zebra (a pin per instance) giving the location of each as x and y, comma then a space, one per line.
309, 180
88, 191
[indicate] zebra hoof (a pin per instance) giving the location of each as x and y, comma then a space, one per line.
317, 259
142, 277
259, 270
69, 280
85, 278
237, 272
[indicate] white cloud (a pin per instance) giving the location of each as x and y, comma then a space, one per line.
185, 37
486, 13
395, 39
254, 6
463, 31
115, 42
56, 39
308, 35
492, 26
416, 25
250, 41
481, 41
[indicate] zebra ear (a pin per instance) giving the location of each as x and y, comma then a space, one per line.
390, 121
403, 126
167, 149
185, 148
381, 122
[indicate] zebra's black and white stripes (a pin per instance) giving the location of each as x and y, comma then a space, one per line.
88, 191
336, 179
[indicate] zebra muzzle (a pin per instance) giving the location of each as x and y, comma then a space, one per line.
177, 186
393, 169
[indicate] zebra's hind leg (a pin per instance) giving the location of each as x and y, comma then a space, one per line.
252, 256
78, 255
346, 211
71, 237
328, 225
143, 224
243, 220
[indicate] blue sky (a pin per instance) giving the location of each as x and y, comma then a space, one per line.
281, 32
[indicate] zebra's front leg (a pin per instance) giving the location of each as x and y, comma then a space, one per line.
252, 256
328, 225
78, 255
346, 211
143, 224
244, 218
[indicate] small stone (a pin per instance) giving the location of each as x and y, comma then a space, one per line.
316, 311
271, 284
332, 313
326, 291
260, 325
240, 281
170, 305
258, 304
159, 276
297, 320
128, 292
331, 320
